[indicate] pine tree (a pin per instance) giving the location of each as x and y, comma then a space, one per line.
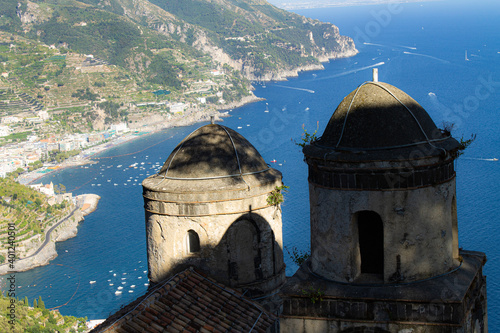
26, 302
34, 303
41, 304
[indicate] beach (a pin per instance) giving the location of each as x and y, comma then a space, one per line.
85, 157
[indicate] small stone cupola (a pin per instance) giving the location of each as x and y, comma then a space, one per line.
382, 191
207, 208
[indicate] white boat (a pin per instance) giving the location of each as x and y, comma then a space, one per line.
132, 286
111, 284
92, 282
120, 288
130, 291
118, 292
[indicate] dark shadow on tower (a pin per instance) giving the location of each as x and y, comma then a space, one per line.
384, 232
207, 208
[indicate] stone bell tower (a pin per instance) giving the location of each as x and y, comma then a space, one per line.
207, 208
384, 232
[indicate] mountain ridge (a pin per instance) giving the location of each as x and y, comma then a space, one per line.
229, 30
71, 57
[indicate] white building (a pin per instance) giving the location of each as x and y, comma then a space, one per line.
177, 108
43, 115
119, 128
47, 189
10, 120
4, 131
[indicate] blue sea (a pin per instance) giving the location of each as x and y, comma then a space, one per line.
444, 54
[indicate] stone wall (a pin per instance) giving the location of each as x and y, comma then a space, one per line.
455, 302
417, 228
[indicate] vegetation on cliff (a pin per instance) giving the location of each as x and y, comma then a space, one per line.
35, 318
71, 56
31, 214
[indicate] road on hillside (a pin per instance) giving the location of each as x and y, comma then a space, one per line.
47, 235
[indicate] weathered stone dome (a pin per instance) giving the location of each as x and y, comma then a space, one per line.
381, 120
208, 207
213, 151
212, 163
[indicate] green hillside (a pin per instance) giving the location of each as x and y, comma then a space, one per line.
35, 318
69, 56
29, 212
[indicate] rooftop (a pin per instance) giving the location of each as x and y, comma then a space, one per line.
377, 119
189, 302
213, 151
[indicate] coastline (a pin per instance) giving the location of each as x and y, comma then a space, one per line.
87, 203
191, 117
64, 229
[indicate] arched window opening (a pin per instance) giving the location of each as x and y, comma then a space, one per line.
193, 242
244, 254
371, 242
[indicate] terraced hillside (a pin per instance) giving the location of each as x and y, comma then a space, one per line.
31, 215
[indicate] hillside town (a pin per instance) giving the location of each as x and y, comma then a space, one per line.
22, 155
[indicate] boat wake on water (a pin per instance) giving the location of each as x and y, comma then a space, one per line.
295, 88
352, 71
427, 56
481, 159
401, 46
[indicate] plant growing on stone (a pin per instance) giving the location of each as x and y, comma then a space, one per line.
298, 256
463, 143
275, 198
307, 138
315, 295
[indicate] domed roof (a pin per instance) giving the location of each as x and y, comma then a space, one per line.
379, 116
210, 152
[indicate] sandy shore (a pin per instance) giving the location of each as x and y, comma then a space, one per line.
85, 157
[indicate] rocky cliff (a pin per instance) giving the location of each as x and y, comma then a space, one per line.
68, 228
253, 37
